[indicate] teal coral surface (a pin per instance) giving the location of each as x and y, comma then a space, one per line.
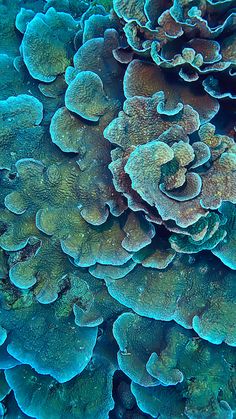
117, 209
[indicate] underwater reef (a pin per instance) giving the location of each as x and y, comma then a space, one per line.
117, 209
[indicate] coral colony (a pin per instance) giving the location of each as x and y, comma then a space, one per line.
117, 209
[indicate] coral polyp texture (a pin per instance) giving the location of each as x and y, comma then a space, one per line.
117, 209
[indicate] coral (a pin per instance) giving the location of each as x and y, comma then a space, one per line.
157, 31
72, 398
15, 233
86, 244
178, 358
5, 389
85, 86
140, 121
74, 135
69, 6
3, 265
96, 55
23, 18
145, 79
205, 234
12, 409
47, 55
9, 43
139, 233
97, 305
153, 400
96, 25
187, 291
39, 268
25, 334
158, 255
20, 118
166, 168
40, 191
112, 271
221, 178
117, 209
11, 82
225, 249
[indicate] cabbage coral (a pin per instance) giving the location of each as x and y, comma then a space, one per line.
117, 209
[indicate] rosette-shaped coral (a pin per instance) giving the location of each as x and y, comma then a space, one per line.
117, 209
164, 171
192, 39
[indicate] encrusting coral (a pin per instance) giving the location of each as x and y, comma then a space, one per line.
117, 209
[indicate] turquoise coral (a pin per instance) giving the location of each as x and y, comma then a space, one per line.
117, 209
